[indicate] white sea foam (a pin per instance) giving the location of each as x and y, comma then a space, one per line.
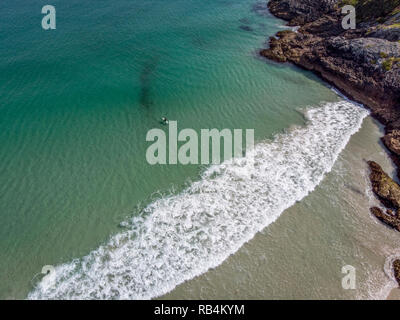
181, 236
388, 267
383, 291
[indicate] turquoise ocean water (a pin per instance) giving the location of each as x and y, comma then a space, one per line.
76, 104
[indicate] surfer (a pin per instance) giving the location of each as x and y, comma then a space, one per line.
164, 120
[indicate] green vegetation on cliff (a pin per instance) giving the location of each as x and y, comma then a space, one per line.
388, 63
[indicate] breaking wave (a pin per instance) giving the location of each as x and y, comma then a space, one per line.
182, 236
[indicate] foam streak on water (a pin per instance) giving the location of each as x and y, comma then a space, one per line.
184, 235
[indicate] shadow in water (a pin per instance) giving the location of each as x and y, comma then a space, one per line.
246, 28
261, 8
146, 76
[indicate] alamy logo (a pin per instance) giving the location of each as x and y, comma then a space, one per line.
349, 21
49, 20
49, 279
349, 280
193, 151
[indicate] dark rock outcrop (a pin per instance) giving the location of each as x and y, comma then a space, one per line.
387, 190
363, 63
300, 12
385, 218
392, 141
396, 268
367, 69
392, 34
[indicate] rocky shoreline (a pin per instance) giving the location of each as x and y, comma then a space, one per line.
363, 63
